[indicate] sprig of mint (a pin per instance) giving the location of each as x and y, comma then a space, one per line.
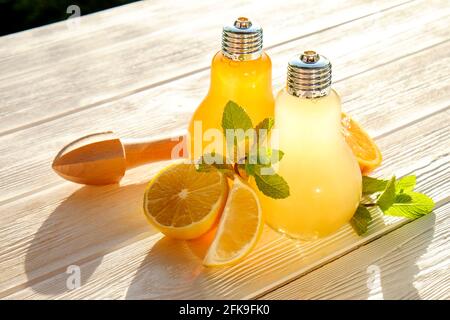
256, 163
394, 198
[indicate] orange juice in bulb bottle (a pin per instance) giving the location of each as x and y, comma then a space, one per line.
240, 72
322, 173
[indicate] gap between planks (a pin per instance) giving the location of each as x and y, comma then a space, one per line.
186, 74
359, 72
393, 228
61, 182
369, 240
144, 227
374, 236
343, 273
109, 282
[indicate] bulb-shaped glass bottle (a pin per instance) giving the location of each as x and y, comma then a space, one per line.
322, 173
240, 72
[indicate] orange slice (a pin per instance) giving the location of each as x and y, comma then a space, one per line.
183, 203
239, 228
362, 145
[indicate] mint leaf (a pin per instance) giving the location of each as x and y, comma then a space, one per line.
268, 156
234, 117
402, 198
406, 183
272, 185
410, 205
387, 197
250, 168
360, 220
212, 161
275, 155
263, 129
371, 185
262, 132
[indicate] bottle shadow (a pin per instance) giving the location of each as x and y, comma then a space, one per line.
397, 279
389, 277
94, 220
85, 226
171, 269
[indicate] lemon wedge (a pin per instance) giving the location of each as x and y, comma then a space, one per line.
239, 228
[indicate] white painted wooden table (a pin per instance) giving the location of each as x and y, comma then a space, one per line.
142, 69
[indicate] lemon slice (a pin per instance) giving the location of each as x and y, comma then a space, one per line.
239, 228
183, 203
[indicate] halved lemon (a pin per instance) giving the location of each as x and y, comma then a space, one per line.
239, 228
183, 203
363, 147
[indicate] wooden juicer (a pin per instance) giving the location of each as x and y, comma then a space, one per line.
103, 158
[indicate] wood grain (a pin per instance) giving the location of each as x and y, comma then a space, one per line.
168, 107
390, 65
150, 44
157, 267
416, 267
136, 272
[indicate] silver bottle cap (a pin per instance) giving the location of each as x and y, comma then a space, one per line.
243, 40
309, 75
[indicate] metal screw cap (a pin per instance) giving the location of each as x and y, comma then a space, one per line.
309, 75
243, 40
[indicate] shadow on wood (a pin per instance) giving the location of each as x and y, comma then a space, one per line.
171, 269
397, 277
383, 269
88, 224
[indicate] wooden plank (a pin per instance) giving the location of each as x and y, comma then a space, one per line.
131, 50
412, 262
169, 107
116, 235
157, 267
123, 237
151, 269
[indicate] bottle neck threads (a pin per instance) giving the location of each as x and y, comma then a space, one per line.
242, 41
309, 75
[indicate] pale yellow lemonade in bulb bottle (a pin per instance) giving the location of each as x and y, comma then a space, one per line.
322, 173
240, 72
